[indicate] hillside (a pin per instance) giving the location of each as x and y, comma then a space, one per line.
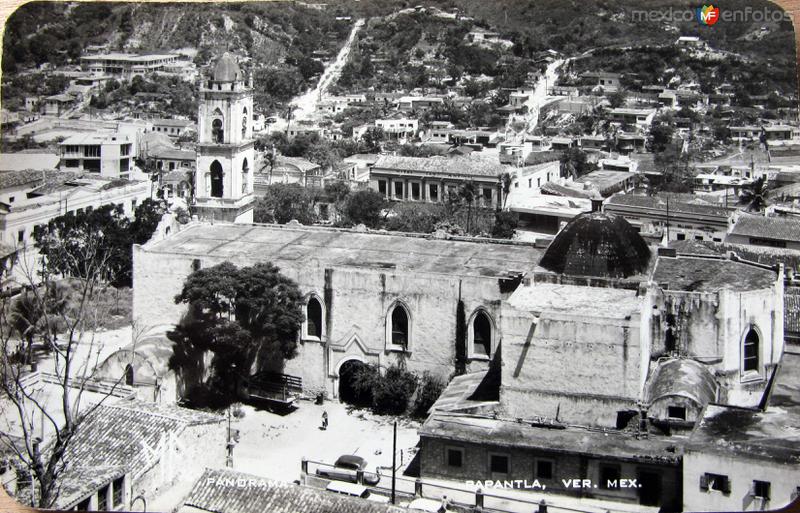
276, 36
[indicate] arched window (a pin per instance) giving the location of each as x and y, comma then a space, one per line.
129, 375
216, 179
244, 123
399, 327
245, 170
217, 133
314, 318
481, 335
751, 349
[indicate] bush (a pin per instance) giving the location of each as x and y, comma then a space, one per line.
431, 387
393, 392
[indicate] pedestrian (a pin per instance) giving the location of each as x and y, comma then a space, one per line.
324, 419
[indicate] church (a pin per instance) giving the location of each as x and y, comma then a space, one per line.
594, 358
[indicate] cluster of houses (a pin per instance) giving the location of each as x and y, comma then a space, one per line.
644, 335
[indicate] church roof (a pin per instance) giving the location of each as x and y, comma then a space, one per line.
597, 244
683, 378
226, 69
307, 247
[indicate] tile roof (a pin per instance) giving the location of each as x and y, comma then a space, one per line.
173, 154
677, 204
228, 491
437, 165
32, 177
113, 440
777, 228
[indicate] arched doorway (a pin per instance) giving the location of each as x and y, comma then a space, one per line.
351, 372
216, 179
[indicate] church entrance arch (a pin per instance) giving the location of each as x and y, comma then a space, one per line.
350, 372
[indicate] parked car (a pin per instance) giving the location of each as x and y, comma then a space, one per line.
346, 469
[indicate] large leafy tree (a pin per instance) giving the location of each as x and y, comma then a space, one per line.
64, 239
365, 207
285, 202
245, 318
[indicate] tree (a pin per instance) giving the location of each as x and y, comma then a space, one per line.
617, 99
372, 139
246, 318
285, 202
660, 137
365, 207
754, 196
505, 223
574, 162
43, 430
61, 241
467, 193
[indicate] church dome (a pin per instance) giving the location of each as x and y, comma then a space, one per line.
226, 69
597, 244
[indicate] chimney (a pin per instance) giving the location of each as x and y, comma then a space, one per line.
597, 205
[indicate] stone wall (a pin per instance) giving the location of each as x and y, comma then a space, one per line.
356, 302
573, 367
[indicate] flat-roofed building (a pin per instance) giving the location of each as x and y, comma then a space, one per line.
106, 154
609, 182
127, 65
680, 216
433, 179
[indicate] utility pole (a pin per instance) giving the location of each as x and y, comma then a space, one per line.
394, 460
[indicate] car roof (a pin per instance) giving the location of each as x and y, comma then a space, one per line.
354, 489
351, 459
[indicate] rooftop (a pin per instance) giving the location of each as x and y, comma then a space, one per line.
218, 491
772, 434
316, 246
173, 154
31, 177
95, 138
438, 165
683, 203
112, 438
597, 244
605, 179
696, 274
22, 161
604, 302
573, 440
684, 378
776, 228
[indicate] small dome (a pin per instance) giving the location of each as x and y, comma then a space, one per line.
226, 69
597, 244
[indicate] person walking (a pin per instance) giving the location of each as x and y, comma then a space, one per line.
324, 419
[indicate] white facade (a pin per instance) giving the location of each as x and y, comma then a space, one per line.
225, 149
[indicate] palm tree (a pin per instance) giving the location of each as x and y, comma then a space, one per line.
754, 196
467, 194
505, 179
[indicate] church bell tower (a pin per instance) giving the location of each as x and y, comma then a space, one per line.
225, 147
